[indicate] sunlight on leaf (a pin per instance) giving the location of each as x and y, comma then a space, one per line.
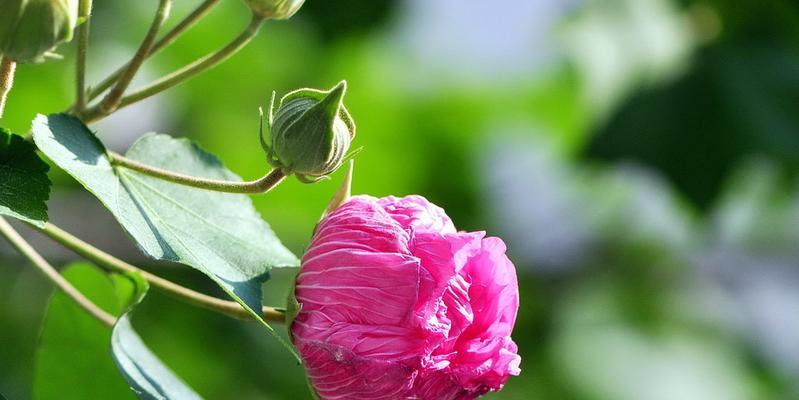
147, 376
219, 234
70, 337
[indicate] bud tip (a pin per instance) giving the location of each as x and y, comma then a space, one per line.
333, 100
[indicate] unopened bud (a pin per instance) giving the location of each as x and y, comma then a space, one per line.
274, 9
310, 131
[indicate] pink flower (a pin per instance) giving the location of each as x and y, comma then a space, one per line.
396, 304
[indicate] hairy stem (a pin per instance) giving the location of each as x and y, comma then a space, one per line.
191, 70
229, 308
39, 262
262, 185
114, 97
84, 11
7, 68
184, 25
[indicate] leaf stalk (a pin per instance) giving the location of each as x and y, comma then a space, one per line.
105, 260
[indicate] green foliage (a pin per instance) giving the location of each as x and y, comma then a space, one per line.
149, 378
24, 186
221, 235
72, 361
71, 337
146, 374
130, 289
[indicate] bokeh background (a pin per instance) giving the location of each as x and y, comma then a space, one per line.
639, 157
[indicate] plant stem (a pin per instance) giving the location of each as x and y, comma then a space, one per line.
262, 185
165, 41
112, 100
84, 11
7, 68
187, 71
229, 308
39, 262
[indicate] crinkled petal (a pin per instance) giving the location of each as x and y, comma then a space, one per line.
337, 373
359, 287
494, 291
417, 213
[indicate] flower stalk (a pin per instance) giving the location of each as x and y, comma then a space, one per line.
261, 185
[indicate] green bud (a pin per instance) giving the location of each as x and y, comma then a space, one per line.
274, 9
31, 28
311, 132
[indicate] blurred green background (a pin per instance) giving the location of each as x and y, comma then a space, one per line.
639, 157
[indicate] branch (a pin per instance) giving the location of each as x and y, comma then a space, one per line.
229, 308
262, 185
84, 11
112, 100
39, 262
184, 25
188, 71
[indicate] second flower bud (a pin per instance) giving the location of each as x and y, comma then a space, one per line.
29, 29
274, 9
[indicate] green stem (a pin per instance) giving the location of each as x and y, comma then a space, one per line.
7, 68
195, 68
84, 11
262, 185
39, 262
114, 97
184, 25
229, 308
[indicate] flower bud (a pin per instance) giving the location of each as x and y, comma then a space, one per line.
274, 9
392, 302
311, 132
31, 28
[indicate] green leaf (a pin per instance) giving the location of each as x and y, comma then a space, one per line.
24, 186
72, 360
131, 288
149, 378
220, 234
